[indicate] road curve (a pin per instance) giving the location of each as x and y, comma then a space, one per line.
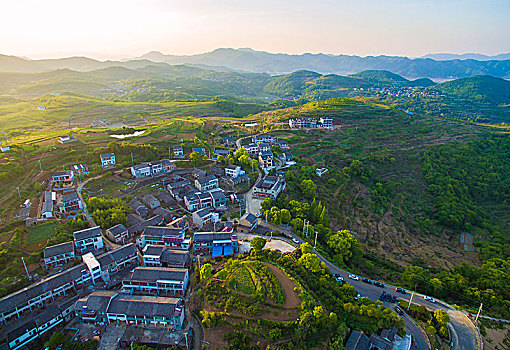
467, 334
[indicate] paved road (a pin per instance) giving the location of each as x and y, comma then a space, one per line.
467, 334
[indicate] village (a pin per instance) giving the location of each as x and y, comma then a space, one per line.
141, 275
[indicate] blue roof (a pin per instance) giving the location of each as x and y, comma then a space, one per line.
217, 251
229, 250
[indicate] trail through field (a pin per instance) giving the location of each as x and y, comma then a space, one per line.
291, 298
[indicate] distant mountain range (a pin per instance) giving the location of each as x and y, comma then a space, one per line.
248, 60
467, 56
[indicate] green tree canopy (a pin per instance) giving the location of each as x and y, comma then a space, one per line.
258, 243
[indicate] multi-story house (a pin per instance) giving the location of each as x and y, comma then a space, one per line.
88, 240
160, 255
117, 234
205, 216
215, 243
70, 202
141, 170
157, 280
107, 159
326, 122
168, 236
111, 306
63, 179
269, 186
265, 138
266, 159
247, 223
58, 255
178, 151
206, 183
191, 201
252, 149
233, 171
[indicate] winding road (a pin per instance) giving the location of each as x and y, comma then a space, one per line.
468, 336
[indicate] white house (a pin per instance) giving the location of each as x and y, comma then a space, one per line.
206, 183
47, 209
205, 216
59, 254
107, 159
233, 171
88, 240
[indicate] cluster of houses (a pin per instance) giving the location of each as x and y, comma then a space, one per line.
61, 196
260, 148
311, 123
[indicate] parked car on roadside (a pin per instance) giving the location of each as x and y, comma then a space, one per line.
432, 300
400, 290
378, 284
354, 277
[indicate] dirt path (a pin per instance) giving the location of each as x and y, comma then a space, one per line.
291, 298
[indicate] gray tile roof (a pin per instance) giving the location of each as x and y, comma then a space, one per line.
153, 274
153, 249
24, 295
47, 206
175, 257
143, 305
116, 255
161, 231
69, 197
206, 179
95, 302
58, 249
87, 233
203, 237
117, 229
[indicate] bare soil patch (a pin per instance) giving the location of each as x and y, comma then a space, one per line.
35, 246
495, 338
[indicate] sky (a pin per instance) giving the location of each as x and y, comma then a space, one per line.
115, 29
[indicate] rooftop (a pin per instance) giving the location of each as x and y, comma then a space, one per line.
87, 233
153, 274
58, 249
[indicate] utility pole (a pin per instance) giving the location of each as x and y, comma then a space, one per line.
40, 166
479, 310
19, 194
304, 226
198, 263
26, 270
410, 301
132, 158
315, 244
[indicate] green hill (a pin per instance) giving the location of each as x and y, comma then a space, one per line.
482, 88
384, 77
292, 84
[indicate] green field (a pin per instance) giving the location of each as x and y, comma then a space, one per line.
241, 281
40, 232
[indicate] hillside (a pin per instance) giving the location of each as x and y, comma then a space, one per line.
376, 184
483, 88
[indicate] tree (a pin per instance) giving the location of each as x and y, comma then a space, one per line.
344, 244
309, 189
56, 340
311, 262
306, 248
241, 152
206, 272
195, 157
220, 158
258, 243
441, 316
431, 330
413, 275
266, 204
285, 214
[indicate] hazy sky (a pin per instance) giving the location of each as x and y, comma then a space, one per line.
126, 28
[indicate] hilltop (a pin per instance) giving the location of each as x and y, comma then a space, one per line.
483, 88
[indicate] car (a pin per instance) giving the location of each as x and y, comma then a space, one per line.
357, 296
258, 215
400, 290
339, 279
399, 310
354, 277
432, 300
378, 284
295, 240
366, 280
336, 274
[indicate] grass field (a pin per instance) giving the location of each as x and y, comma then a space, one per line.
241, 281
40, 233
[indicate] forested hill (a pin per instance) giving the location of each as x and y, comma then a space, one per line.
483, 88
